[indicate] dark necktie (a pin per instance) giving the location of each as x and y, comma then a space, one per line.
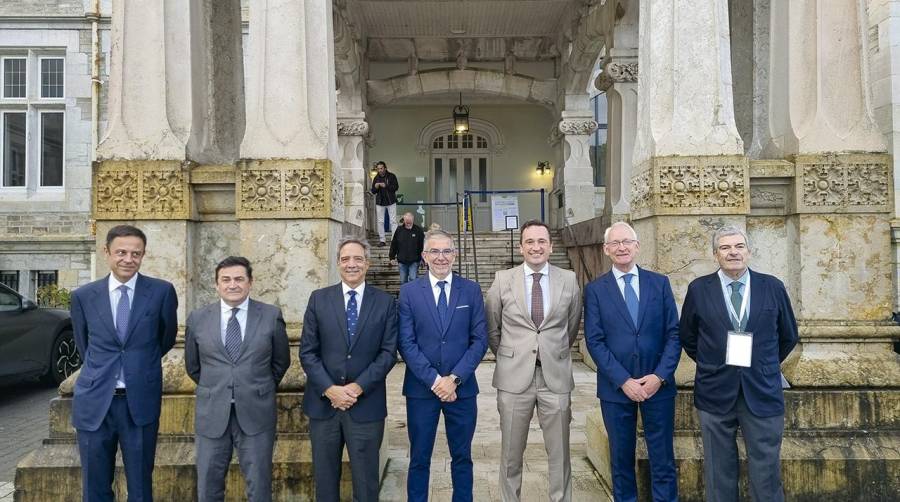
537, 300
442, 304
123, 310
352, 316
233, 335
631, 299
736, 300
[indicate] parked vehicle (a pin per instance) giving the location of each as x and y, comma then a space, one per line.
34, 341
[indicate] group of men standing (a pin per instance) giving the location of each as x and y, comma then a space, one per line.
737, 324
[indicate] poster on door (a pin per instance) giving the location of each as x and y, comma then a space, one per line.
501, 207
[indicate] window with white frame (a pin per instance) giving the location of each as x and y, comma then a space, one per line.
32, 119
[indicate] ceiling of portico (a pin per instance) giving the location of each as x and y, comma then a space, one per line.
437, 30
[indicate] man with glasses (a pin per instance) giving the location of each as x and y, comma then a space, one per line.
442, 336
738, 325
631, 327
533, 315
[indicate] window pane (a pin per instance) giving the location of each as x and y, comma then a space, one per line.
451, 192
10, 278
44, 278
8, 301
52, 78
482, 143
51, 149
482, 177
14, 78
438, 143
438, 180
467, 173
14, 149
467, 141
453, 141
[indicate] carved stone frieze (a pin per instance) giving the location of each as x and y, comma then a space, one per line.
285, 189
352, 128
688, 185
144, 189
844, 183
577, 126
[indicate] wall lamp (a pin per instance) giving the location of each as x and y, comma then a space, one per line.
543, 167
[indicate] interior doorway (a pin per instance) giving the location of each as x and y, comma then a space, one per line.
459, 162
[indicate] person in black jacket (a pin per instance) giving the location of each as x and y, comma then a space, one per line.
384, 186
406, 248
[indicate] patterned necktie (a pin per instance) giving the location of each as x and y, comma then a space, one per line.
123, 310
537, 300
736, 300
352, 316
631, 299
442, 304
233, 335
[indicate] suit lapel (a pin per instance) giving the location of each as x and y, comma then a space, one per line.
757, 298
253, 317
140, 302
556, 287
647, 295
364, 310
211, 324
612, 291
104, 309
453, 301
714, 289
336, 300
518, 289
428, 298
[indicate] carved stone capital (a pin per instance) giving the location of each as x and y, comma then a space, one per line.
352, 128
844, 183
621, 71
578, 126
286, 189
690, 185
141, 190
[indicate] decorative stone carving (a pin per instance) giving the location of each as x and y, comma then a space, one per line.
622, 71
578, 127
147, 189
286, 189
844, 183
352, 128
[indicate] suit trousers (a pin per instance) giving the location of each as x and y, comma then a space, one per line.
392, 220
363, 440
658, 417
97, 450
554, 414
721, 467
422, 415
254, 455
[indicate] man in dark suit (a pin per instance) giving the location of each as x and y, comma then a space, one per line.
348, 346
443, 336
236, 351
631, 326
123, 324
738, 341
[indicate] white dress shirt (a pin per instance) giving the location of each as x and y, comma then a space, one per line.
635, 280
545, 286
436, 290
359, 295
114, 296
226, 316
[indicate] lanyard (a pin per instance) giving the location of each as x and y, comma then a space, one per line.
743, 304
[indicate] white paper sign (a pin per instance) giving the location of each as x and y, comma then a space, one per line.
739, 348
501, 207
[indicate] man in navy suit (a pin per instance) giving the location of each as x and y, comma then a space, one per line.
124, 324
738, 341
631, 326
443, 336
348, 346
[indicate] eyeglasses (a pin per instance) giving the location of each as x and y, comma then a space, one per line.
434, 253
617, 244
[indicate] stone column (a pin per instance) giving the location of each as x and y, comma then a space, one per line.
576, 177
352, 132
619, 82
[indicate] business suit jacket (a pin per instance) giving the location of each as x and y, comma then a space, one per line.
430, 351
152, 326
328, 360
705, 323
622, 350
262, 361
515, 339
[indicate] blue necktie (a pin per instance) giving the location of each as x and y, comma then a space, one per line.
631, 299
233, 336
352, 316
123, 310
442, 304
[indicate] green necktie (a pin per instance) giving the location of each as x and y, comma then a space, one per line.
736, 300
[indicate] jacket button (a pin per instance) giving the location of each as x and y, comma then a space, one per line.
349, 356
539, 332
534, 351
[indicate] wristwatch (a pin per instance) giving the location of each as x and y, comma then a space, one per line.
456, 379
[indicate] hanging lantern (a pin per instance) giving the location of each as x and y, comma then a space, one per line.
460, 118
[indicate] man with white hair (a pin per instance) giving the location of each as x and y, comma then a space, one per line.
406, 248
631, 327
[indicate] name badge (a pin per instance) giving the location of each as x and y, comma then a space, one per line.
739, 348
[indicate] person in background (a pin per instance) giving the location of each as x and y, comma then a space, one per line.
406, 248
384, 186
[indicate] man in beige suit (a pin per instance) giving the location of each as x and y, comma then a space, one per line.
533, 314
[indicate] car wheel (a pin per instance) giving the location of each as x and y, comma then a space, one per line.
64, 358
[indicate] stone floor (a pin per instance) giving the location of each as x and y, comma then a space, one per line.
486, 446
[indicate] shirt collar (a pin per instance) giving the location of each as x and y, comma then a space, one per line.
618, 273
227, 308
114, 283
359, 289
545, 270
435, 280
725, 280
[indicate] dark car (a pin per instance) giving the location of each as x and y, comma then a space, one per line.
35, 342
